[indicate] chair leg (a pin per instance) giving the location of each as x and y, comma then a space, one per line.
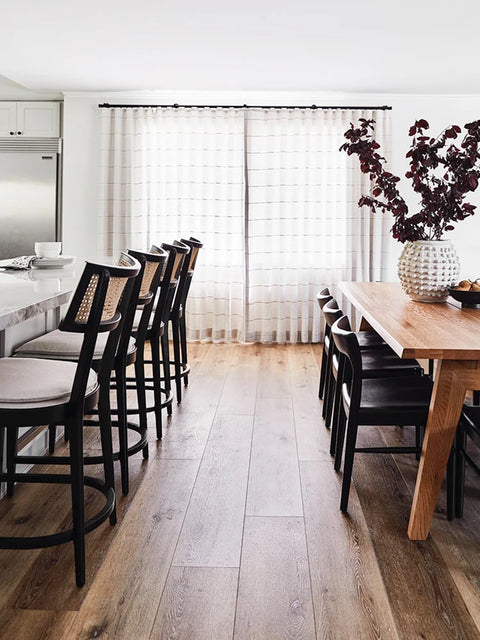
329, 400
2, 448
418, 439
141, 394
476, 398
12, 441
341, 427
157, 384
328, 385
459, 482
451, 483
177, 359
166, 367
121, 384
352, 429
335, 416
52, 437
321, 386
78, 504
183, 342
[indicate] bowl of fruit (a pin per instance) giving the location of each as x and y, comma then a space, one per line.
467, 292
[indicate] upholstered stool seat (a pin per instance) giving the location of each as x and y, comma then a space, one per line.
60, 345
28, 383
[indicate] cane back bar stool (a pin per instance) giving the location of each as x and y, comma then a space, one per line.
56, 345
36, 392
157, 334
403, 400
149, 327
195, 246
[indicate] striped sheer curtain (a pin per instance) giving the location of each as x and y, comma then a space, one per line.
172, 173
267, 192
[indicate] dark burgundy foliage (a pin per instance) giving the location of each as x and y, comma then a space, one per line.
441, 172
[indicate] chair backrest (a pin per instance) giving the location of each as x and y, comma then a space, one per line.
331, 312
168, 284
154, 262
195, 246
184, 276
346, 342
96, 307
324, 296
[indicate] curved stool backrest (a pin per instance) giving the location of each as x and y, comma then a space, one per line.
96, 307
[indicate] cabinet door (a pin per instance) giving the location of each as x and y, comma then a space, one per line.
38, 119
8, 119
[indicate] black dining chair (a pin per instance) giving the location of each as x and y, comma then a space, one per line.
468, 435
377, 362
367, 339
37, 392
324, 296
399, 401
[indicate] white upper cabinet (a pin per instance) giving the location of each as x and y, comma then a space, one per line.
30, 119
8, 118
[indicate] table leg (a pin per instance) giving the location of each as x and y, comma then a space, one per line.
452, 379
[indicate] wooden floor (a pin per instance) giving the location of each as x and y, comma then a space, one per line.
232, 529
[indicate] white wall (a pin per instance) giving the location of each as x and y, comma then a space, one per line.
10, 90
81, 152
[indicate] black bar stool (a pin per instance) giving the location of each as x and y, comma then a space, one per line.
41, 391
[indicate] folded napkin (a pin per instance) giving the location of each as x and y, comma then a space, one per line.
22, 262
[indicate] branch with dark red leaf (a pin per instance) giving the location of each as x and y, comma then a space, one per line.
441, 173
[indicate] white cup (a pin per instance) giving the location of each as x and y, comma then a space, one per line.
48, 249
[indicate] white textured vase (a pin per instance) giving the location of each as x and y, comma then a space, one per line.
427, 268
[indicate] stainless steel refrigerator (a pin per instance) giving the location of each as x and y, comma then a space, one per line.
29, 198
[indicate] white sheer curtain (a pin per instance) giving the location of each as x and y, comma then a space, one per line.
303, 223
173, 173
268, 193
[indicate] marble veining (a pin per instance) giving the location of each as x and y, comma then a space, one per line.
25, 294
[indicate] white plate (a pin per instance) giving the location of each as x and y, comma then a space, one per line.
52, 263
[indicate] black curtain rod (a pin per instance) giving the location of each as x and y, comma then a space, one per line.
106, 105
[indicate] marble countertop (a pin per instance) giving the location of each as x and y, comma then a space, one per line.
24, 294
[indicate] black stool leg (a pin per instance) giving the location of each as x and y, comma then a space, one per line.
166, 367
157, 384
52, 437
141, 394
183, 342
176, 359
105, 425
78, 504
121, 383
476, 398
12, 440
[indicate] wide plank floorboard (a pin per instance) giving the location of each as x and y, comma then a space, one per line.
274, 594
198, 602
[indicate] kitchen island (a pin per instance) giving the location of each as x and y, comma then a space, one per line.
30, 301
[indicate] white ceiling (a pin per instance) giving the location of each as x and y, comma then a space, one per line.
377, 46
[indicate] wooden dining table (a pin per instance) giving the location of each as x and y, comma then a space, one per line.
444, 332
